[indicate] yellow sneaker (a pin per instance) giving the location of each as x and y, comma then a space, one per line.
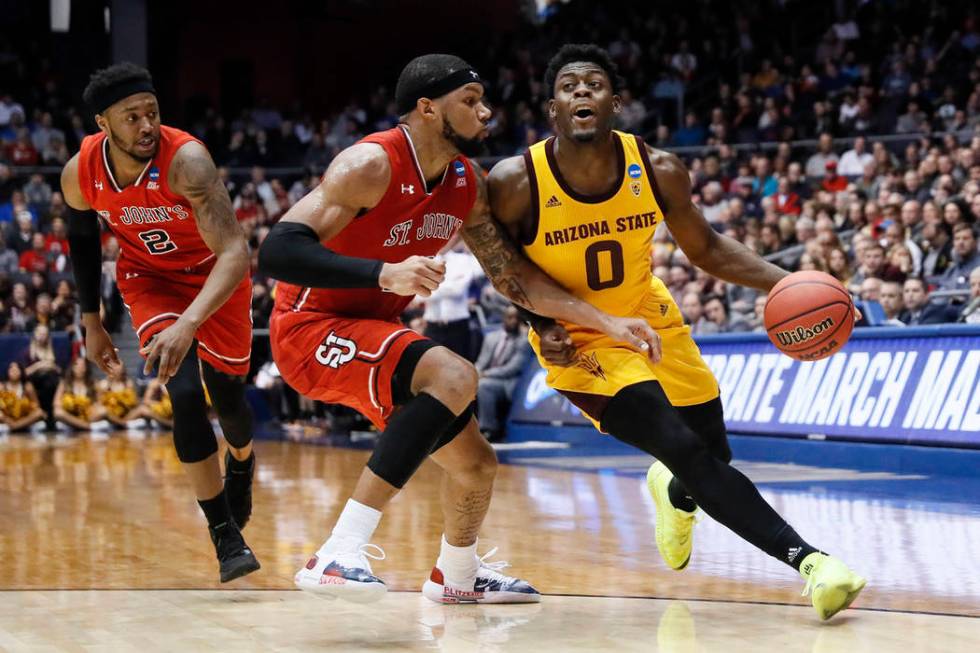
833, 585
674, 526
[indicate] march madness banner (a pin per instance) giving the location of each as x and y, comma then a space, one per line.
916, 385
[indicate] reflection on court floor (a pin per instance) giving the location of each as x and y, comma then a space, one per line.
106, 549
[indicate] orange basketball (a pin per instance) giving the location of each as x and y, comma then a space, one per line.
809, 315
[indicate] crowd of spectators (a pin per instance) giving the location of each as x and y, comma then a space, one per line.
872, 172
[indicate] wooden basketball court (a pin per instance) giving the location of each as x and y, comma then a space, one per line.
104, 549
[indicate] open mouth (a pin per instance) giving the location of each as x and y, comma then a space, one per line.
583, 113
147, 142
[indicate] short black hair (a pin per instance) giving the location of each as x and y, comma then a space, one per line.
420, 73
112, 76
586, 53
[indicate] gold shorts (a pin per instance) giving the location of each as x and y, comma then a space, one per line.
605, 367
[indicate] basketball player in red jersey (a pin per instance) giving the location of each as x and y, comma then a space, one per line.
183, 273
350, 256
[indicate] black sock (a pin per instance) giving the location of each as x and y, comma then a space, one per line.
236, 466
216, 510
793, 547
679, 498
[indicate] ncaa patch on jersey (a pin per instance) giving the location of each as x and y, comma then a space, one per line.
154, 173
634, 171
460, 169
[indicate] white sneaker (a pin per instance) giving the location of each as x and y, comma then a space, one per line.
490, 586
101, 425
138, 423
38, 426
344, 574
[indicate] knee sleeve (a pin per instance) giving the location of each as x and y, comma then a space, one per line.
408, 439
707, 420
455, 428
193, 436
401, 380
228, 397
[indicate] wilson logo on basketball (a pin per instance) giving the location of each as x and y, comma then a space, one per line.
800, 335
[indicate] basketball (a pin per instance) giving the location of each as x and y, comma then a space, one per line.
809, 315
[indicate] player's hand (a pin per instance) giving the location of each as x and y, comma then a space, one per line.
416, 275
637, 333
169, 348
858, 316
100, 350
556, 345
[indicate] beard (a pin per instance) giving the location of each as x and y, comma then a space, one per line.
131, 152
466, 146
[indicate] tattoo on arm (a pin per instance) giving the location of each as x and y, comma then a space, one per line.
197, 179
499, 257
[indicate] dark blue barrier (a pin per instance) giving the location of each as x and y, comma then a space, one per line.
13, 347
916, 385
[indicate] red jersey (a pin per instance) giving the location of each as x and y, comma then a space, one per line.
408, 221
155, 227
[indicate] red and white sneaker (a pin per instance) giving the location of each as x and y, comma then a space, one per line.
343, 574
491, 586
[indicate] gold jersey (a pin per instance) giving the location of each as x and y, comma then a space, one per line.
596, 246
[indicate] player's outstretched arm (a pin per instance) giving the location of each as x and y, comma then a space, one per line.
716, 254
86, 261
517, 278
356, 181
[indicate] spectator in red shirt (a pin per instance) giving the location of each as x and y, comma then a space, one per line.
36, 258
833, 182
59, 234
787, 202
23, 152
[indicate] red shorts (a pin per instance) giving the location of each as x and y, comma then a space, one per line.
155, 302
340, 360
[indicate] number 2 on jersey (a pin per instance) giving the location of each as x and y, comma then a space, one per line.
592, 273
157, 241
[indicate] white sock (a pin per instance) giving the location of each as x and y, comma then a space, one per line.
459, 564
355, 527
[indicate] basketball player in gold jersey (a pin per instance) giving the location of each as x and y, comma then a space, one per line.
585, 205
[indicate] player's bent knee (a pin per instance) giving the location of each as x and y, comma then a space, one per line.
234, 413
448, 377
194, 438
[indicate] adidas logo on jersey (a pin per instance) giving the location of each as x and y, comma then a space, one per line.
552, 202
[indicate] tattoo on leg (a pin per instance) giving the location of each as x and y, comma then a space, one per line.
465, 516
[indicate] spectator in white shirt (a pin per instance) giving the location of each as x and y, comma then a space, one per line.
447, 309
853, 161
816, 165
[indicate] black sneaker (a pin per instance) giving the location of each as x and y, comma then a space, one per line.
234, 556
238, 487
